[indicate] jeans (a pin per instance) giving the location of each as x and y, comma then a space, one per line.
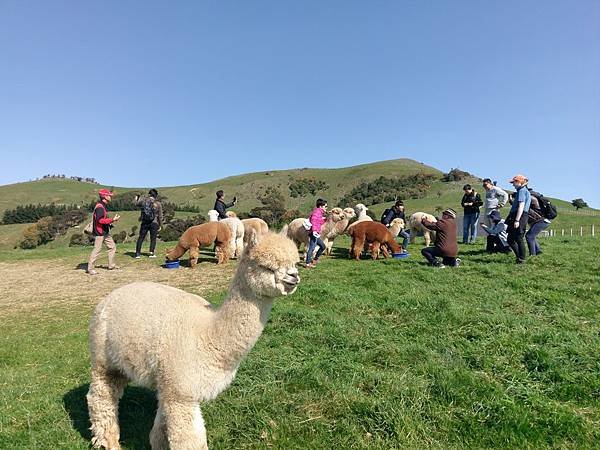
430, 254
531, 235
152, 227
470, 223
405, 237
314, 241
516, 235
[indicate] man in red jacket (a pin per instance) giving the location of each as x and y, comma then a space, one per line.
101, 231
445, 241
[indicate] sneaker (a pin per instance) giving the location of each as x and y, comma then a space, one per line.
138, 256
441, 266
457, 262
92, 272
151, 255
114, 268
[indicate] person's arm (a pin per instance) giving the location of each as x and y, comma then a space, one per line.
462, 202
477, 201
138, 200
388, 218
519, 213
430, 225
504, 196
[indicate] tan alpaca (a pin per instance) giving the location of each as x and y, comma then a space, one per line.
334, 228
415, 226
396, 226
204, 235
236, 245
335, 224
176, 342
255, 224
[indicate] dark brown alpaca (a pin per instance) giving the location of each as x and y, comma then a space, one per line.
204, 235
374, 233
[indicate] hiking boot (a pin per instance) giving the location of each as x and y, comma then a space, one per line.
92, 272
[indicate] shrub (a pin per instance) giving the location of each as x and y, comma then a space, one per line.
81, 239
456, 175
120, 237
385, 189
301, 187
175, 228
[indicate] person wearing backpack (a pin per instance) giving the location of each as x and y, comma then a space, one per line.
517, 217
151, 220
471, 202
101, 225
396, 212
538, 221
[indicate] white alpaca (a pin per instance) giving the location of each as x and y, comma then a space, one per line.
396, 226
415, 226
236, 245
361, 215
334, 225
335, 228
162, 337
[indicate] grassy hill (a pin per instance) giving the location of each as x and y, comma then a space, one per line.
248, 186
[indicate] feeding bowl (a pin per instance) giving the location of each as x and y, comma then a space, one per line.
401, 255
172, 264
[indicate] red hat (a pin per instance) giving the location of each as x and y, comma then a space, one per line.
105, 193
519, 178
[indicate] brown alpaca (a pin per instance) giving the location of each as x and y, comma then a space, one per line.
204, 235
373, 233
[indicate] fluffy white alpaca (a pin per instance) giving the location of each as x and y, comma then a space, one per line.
396, 226
334, 225
162, 337
361, 215
236, 245
415, 226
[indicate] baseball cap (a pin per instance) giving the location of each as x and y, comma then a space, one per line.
105, 193
519, 178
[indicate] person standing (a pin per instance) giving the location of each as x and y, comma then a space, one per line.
397, 212
221, 206
316, 219
537, 223
495, 198
445, 241
517, 217
101, 225
151, 220
471, 202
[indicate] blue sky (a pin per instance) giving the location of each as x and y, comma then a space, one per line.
144, 93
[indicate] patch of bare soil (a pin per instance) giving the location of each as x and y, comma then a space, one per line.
35, 285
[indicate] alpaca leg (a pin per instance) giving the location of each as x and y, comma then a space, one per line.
358, 247
375, 250
329, 247
413, 235
103, 405
158, 435
239, 246
427, 238
185, 426
194, 255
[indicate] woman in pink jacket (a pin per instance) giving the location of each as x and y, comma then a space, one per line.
317, 219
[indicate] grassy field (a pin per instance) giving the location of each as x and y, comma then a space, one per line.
370, 354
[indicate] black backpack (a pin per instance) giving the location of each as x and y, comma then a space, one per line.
547, 209
148, 213
384, 215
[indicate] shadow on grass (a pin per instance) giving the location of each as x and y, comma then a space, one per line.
137, 409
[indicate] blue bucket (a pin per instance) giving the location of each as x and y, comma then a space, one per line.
401, 255
172, 264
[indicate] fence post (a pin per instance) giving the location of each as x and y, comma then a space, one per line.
562, 232
593, 234
581, 231
571, 231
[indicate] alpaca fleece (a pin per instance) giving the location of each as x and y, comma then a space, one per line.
415, 226
204, 235
373, 233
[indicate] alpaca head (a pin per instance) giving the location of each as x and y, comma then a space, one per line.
349, 213
213, 215
359, 209
230, 214
398, 222
269, 265
336, 214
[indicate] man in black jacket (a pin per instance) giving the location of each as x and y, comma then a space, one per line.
221, 206
396, 212
471, 202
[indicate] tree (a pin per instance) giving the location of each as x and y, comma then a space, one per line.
579, 203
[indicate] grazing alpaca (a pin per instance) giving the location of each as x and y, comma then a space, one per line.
176, 342
373, 233
203, 235
255, 224
236, 245
415, 226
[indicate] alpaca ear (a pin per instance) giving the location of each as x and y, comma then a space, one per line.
252, 239
284, 230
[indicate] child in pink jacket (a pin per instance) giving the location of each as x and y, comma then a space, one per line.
317, 219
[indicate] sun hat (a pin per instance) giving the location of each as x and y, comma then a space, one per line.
450, 212
105, 193
520, 178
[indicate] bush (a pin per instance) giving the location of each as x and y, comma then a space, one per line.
81, 239
120, 237
301, 187
385, 189
48, 228
456, 175
173, 230
30, 237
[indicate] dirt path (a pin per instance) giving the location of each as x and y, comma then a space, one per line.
40, 284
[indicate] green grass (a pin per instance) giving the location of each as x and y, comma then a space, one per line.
370, 354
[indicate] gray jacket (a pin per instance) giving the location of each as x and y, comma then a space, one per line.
495, 198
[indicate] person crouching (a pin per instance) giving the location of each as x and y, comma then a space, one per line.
497, 239
445, 241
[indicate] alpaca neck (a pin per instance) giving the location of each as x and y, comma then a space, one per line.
238, 323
